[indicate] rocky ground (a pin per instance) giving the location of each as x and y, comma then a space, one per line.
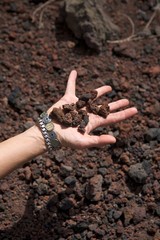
110, 193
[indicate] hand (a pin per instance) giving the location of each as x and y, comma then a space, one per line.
70, 137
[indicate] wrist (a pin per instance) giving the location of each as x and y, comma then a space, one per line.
35, 136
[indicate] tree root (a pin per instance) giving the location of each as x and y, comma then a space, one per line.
41, 9
156, 10
131, 35
142, 34
41, 25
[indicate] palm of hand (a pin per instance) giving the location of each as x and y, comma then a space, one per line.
70, 137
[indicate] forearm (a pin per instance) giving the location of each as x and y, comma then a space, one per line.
17, 150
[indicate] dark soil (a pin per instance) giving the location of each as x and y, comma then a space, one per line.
109, 193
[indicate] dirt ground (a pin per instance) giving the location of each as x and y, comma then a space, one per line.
109, 193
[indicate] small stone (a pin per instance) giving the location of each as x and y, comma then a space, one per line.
147, 165
68, 107
92, 107
71, 44
137, 173
156, 187
95, 73
115, 188
152, 134
103, 110
48, 163
117, 214
124, 158
52, 202
42, 189
94, 188
92, 226
28, 173
89, 173
14, 99
119, 231
59, 156
81, 226
153, 109
107, 162
139, 214
99, 232
52, 182
152, 71
47, 174
102, 171
65, 170
67, 120
110, 215
80, 104
81, 127
57, 114
128, 215
89, 95
89, 235
152, 123
147, 189
86, 119
125, 50
4, 187
67, 203
82, 71
76, 119
70, 181
26, 25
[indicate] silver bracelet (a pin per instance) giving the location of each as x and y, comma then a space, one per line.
47, 128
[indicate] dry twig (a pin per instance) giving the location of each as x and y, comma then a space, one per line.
130, 36
156, 10
142, 34
41, 25
41, 8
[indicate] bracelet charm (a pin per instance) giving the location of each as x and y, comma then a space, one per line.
47, 128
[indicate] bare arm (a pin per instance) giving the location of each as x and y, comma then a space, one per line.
15, 151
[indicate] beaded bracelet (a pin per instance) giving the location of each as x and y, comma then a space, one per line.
47, 128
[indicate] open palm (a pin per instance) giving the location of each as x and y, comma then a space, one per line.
70, 137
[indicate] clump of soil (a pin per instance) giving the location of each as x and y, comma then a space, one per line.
74, 115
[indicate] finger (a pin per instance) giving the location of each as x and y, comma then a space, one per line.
121, 115
103, 90
118, 104
71, 84
100, 141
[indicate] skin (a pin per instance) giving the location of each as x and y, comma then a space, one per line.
17, 150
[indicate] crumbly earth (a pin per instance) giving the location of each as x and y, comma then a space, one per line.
108, 193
